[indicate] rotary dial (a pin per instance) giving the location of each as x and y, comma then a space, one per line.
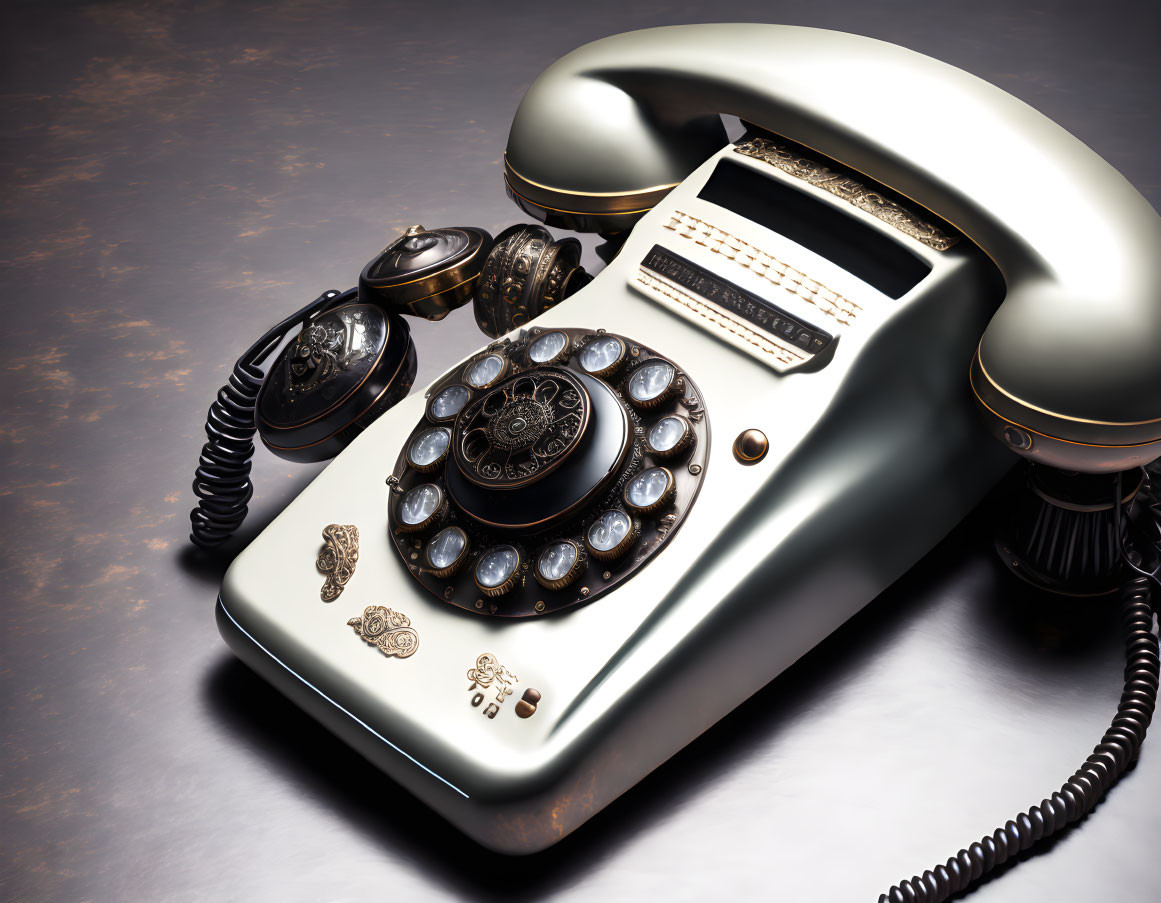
547, 471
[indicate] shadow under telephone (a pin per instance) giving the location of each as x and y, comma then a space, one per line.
703, 460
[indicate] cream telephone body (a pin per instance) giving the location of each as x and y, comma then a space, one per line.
804, 307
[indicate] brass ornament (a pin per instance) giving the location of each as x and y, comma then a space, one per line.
488, 670
694, 406
527, 273
829, 176
487, 677
526, 707
751, 446
388, 631
338, 558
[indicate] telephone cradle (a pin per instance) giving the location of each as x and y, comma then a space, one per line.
521, 589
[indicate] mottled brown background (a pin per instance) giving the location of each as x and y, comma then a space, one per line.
176, 176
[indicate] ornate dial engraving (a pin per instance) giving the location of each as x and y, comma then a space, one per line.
388, 631
338, 558
522, 429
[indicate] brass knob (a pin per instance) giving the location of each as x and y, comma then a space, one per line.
751, 446
526, 707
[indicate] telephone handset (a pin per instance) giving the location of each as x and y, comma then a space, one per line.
816, 292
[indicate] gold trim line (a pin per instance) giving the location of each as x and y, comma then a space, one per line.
1058, 438
1030, 406
446, 269
577, 212
588, 194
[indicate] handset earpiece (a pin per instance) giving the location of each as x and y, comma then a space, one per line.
353, 358
222, 479
344, 369
426, 273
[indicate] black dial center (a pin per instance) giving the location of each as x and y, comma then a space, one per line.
577, 476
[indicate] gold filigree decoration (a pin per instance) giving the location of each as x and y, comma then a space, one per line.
338, 558
388, 631
488, 670
849, 188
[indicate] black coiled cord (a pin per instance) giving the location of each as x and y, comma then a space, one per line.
222, 480
1110, 758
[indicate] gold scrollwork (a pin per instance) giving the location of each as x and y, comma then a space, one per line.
850, 189
338, 558
488, 670
388, 631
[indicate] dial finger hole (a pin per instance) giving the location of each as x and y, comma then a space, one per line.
428, 450
496, 571
650, 490
548, 348
486, 370
449, 402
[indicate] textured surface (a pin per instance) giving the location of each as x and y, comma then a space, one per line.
175, 177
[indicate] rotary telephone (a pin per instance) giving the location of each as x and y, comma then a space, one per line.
656, 489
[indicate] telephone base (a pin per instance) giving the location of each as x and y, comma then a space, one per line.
519, 729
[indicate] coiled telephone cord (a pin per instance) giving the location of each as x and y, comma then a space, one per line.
1110, 758
222, 480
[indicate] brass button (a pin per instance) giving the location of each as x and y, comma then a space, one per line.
751, 446
526, 707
